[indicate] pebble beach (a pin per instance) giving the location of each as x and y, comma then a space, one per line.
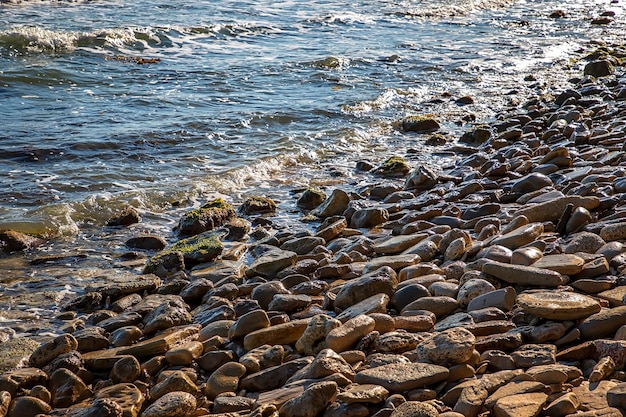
493, 286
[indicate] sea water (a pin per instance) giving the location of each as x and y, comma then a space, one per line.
162, 105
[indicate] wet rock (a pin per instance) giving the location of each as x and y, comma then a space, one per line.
334, 205
127, 396
28, 407
170, 313
257, 205
270, 263
211, 215
249, 322
67, 388
311, 198
382, 280
419, 124
128, 216
394, 166
13, 381
126, 369
369, 217
599, 68
146, 242
225, 379
46, 352
175, 381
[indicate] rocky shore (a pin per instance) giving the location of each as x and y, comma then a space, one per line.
494, 287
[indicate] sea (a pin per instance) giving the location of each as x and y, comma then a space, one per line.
163, 105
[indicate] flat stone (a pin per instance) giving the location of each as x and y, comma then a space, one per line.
559, 305
566, 264
525, 275
534, 354
185, 354
399, 377
270, 263
312, 401
397, 244
521, 405
381, 280
46, 352
615, 296
567, 403
604, 323
173, 404
439, 306
415, 409
302, 245
451, 347
527, 255
176, 381
520, 236
332, 230
345, 336
593, 396
274, 377
160, 344
224, 379
127, 396
504, 299
395, 262
615, 231
551, 210
374, 304
363, 393
584, 242
282, 334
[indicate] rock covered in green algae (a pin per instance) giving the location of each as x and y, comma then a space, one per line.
395, 166
420, 124
213, 214
201, 248
257, 205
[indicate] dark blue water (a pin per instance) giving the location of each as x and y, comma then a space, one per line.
162, 105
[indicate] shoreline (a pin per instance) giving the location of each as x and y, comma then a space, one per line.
427, 292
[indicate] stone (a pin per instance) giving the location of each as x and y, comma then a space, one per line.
67, 388
593, 396
472, 289
282, 334
127, 396
363, 393
415, 409
579, 218
471, 401
603, 324
126, 369
169, 314
551, 210
397, 244
334, 205
265, 292
333, 230
146, 242
275, 376
382, 280
124, 336
327, 363
559, 305
520, 236
173, 404
613, 232
225, 379
395, 262
14, 241
566, 264
345, 336
311, 198
518, 386
226, 404
257, 205
289, 303
599, 68
211, 215
311, 402
419, 124
185, 354
46, 352
616, 396
414, 324
175, 381
28, 407
126, 217
567, 403
399, 377
527, 255
160, 344
369, 217
249, 322
525, 275
531, 182
270, 263
313, 340
522, 405
374, 304
534, 354
452, 347
503, 299
439, 306
584, 242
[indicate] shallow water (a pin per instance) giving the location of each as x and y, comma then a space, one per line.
162, 106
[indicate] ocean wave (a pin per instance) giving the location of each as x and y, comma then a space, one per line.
437, 10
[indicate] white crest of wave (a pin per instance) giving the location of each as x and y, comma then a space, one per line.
460, 8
